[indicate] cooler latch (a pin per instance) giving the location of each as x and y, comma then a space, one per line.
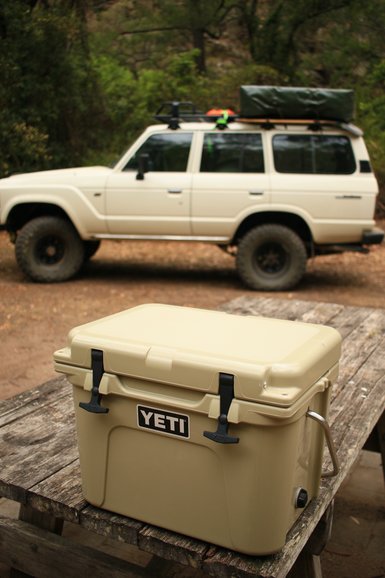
226, 395
97, 373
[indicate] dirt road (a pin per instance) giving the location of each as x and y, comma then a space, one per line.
35, 318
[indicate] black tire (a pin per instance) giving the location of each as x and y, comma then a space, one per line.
271, 258
90, 248
49, 250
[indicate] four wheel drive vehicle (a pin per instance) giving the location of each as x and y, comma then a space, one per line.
274, 192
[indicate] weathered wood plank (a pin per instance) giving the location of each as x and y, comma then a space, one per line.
323, 313
172, 546
41, 553
360, 344
114, 526
35, 446
355, 395
279, 308
31, 400
343, 318
357, 411
59, 495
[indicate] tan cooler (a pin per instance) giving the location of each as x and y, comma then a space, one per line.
202, 422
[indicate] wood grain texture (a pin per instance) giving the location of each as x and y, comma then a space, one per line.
40, 553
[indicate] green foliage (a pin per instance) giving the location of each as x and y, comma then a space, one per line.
47, 90
371, 114
81, 79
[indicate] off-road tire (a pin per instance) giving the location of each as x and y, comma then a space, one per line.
90, 248
49, 250
271, 258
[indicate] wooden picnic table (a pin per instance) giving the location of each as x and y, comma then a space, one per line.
40, 469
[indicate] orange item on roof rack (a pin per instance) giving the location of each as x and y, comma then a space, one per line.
220, 111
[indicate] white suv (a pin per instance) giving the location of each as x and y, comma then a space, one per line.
274, 193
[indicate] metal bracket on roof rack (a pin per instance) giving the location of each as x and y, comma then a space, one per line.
173, 112
226, 395
97, 366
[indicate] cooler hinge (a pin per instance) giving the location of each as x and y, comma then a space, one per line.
226, 395
97, 373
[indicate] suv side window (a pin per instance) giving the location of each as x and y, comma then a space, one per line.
166, 152
313, 154
232, 153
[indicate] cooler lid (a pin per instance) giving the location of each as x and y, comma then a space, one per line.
273, 361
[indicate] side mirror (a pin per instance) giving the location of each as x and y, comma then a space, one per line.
143, 162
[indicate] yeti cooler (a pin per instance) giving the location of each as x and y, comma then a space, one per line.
202, 422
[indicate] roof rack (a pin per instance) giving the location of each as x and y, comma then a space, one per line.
312, 124
174, 112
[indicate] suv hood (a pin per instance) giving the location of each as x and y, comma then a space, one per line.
58, 175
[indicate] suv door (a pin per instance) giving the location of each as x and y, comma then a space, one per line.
159, 204
229, 181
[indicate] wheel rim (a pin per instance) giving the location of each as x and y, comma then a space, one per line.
49, 250
271, 259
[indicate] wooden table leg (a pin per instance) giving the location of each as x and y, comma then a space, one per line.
308, 564
41, 520
376, 440
380, 427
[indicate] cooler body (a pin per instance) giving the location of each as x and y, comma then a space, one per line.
196, 421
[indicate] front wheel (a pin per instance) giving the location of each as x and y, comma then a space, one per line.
271, 258
49, 250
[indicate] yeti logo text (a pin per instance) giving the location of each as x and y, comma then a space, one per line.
163, 421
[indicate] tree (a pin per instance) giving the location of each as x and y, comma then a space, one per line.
169, 25
47, 94
274, 28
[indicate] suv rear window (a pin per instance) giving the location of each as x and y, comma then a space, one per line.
313, 154
232, 153
166, 152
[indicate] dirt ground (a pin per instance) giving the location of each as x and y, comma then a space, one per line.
36, 318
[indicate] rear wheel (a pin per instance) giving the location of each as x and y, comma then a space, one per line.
49, 250
271, 258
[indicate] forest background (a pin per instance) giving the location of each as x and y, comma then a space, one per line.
80, 79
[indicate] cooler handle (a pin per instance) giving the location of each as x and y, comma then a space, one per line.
329, 440
97, 367
226, 396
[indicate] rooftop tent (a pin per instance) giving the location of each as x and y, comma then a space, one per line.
276, 102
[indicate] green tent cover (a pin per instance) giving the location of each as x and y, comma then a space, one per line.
275, 102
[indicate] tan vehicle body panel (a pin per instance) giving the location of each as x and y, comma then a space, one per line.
112, 203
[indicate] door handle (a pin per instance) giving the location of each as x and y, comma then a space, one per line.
256, 193
174, 191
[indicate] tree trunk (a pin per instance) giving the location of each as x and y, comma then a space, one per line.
199, 44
